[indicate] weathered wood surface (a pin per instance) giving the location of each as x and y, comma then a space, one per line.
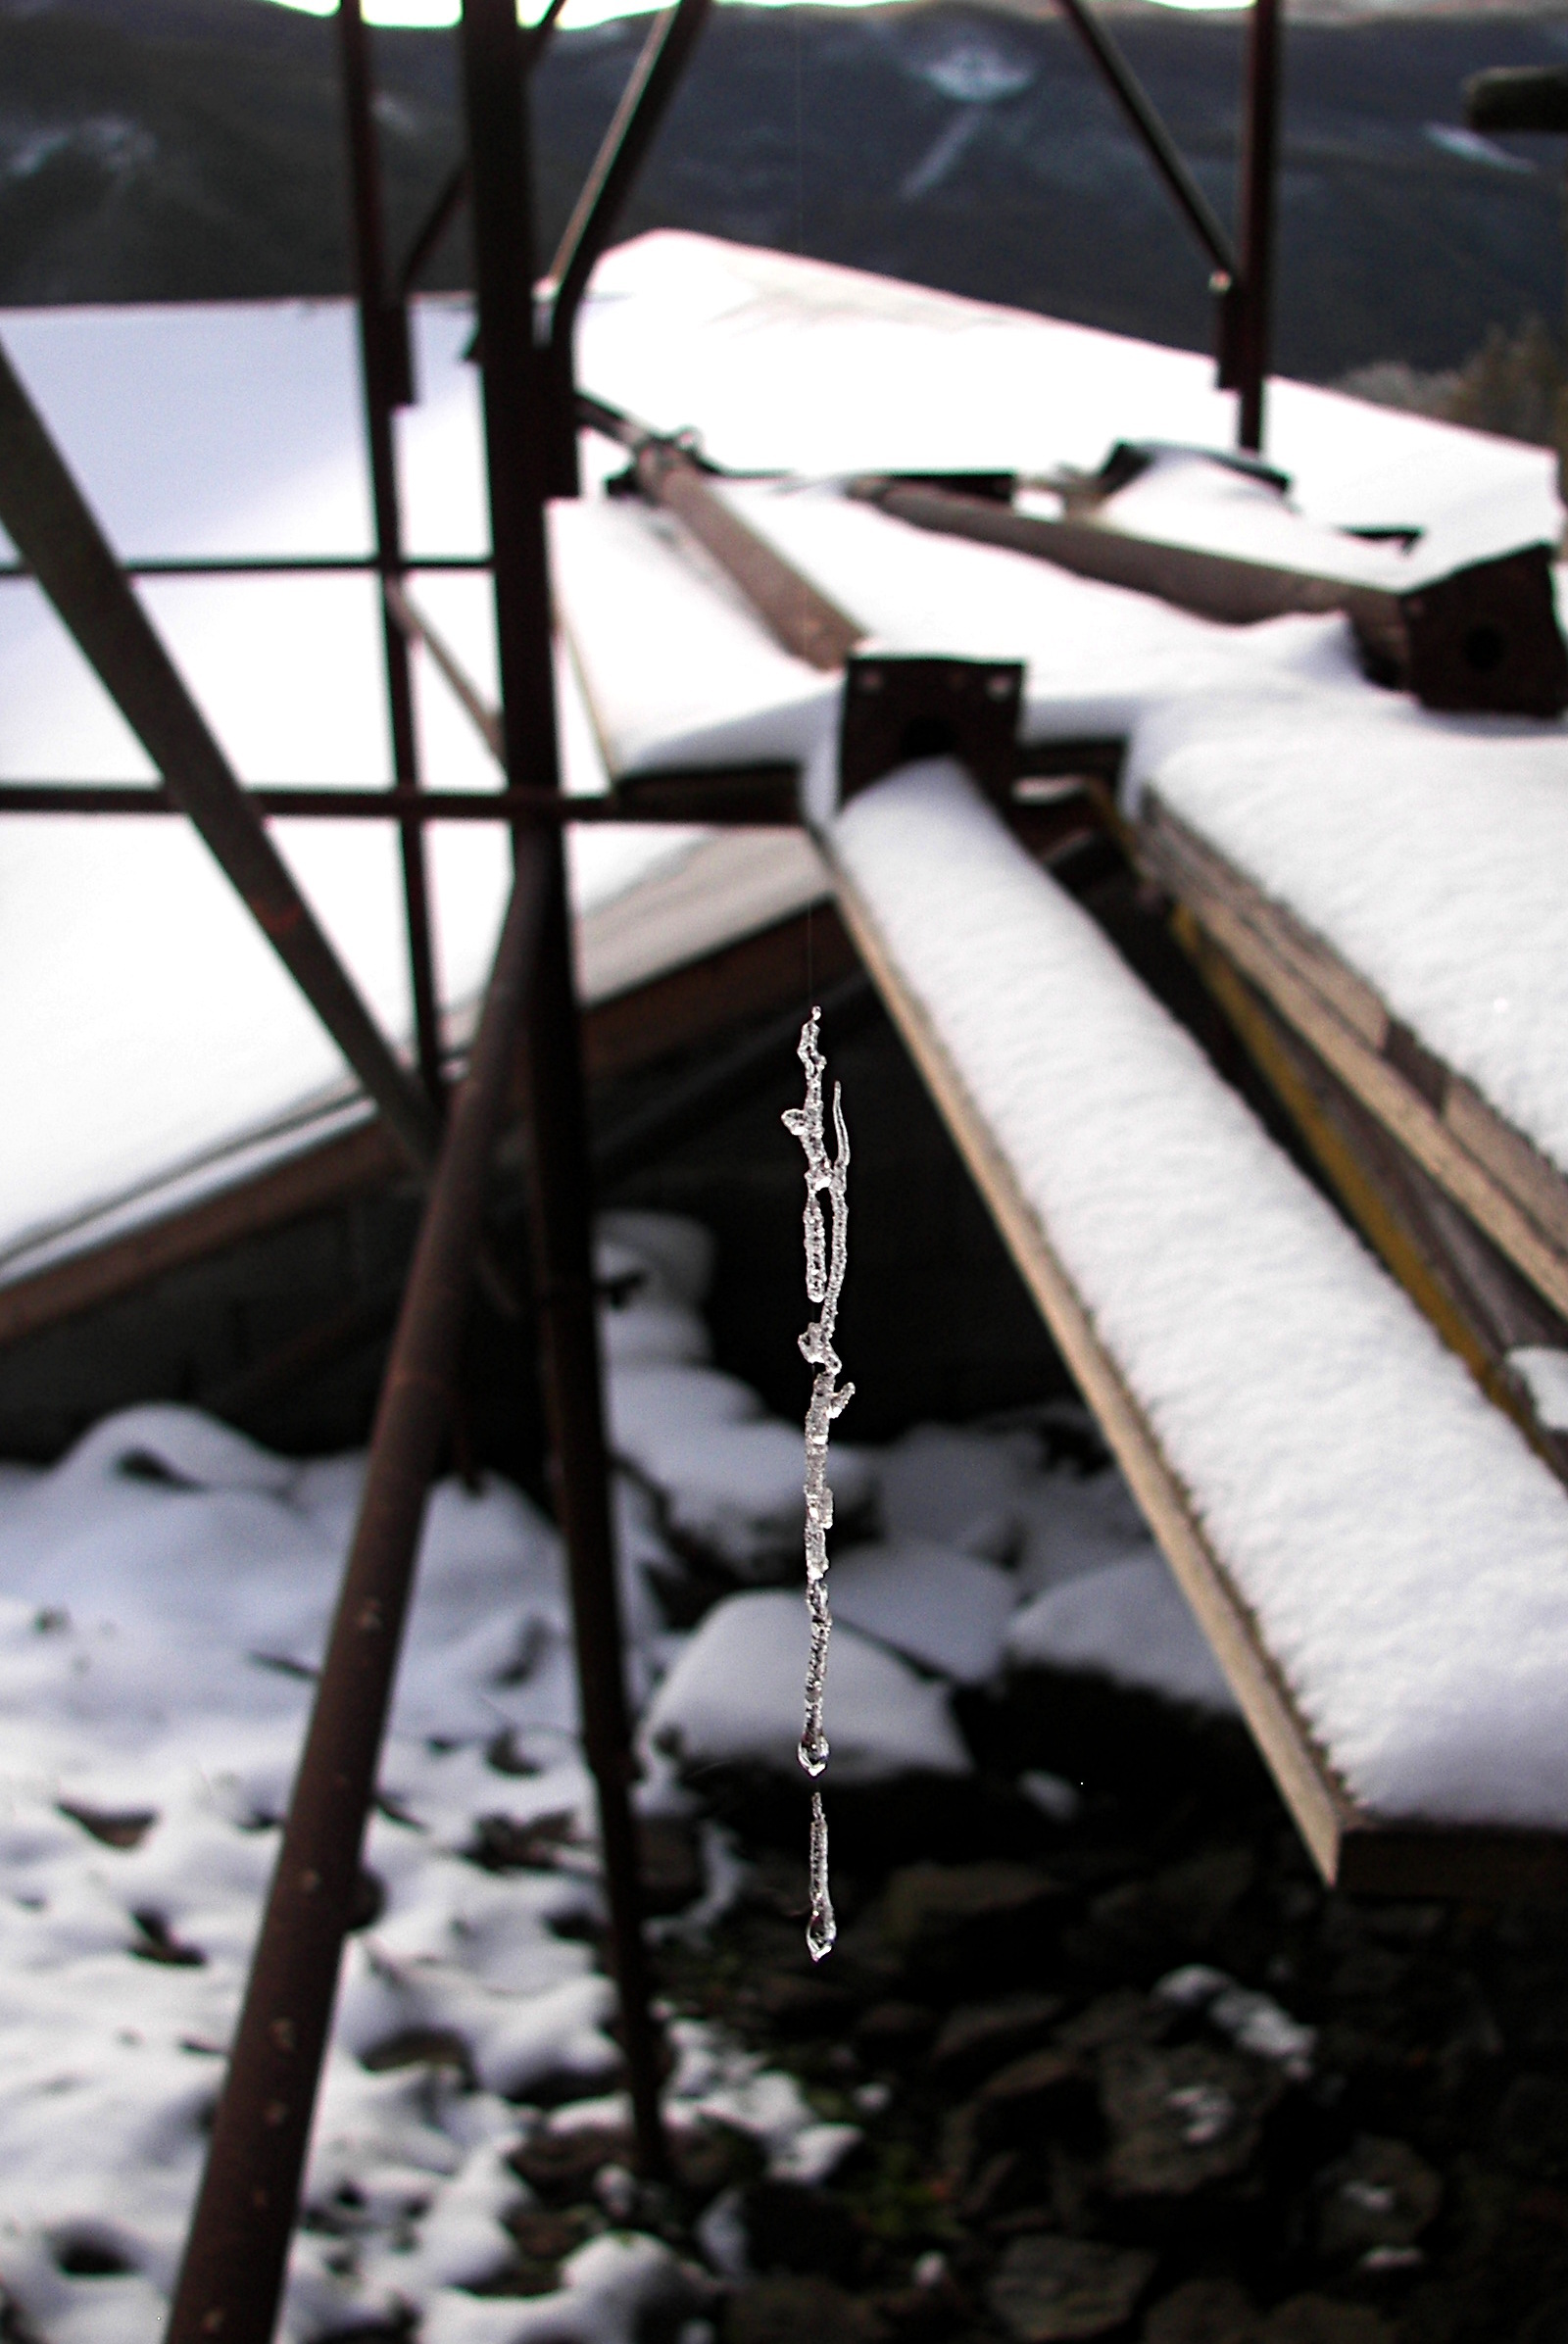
1492, 1170
643, 1017
1475, 1298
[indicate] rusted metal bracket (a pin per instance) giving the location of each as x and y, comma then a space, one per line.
1485, 636
52, 528
898, 710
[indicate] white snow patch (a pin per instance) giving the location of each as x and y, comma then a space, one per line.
1127, 1621
1545, 1371
937, 1605
1429, 852
734, 1697
957, 1485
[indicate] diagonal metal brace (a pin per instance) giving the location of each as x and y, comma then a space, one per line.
57, 535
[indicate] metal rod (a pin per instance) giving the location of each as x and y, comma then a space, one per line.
560, 1184
50, 524
753, 796
237, 2249
1190, 199
450, 199
386, 378
272, 566
798, 613
644, 103
1260, 155
416, 628
453, 192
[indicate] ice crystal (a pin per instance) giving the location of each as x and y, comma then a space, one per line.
827, 1241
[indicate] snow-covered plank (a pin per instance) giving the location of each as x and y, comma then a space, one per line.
785, 364
718, 892
677, 670
1482, 1308
1379, 1560
1513, 1191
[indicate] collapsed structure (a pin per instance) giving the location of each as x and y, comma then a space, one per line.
808, 642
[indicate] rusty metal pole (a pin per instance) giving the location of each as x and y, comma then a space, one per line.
515, 402
53, 530
386, 375
1161, 148
1259, 163
238, 2252
654, 79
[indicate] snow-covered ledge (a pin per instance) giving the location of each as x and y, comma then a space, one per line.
1379, 1560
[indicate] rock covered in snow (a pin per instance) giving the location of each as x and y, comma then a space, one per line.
1129, 1622
733, 1697
937, 1605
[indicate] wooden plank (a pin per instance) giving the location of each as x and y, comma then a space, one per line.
1398, 1094
317, 1177
1474, 1298
693, 1003
1175, 849
1521, 1167
1322, 1807
728, 885
1349, 1847
676, 1011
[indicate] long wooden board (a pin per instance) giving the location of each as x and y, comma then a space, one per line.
677, 1009
1493, 1171
1474, 1298
1349, 1847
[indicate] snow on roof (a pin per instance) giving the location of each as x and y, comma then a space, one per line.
153, 1044
790, 364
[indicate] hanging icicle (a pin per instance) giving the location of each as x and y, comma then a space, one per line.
827, 1243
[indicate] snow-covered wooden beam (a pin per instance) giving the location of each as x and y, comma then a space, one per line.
1379, 1562
1515, 1194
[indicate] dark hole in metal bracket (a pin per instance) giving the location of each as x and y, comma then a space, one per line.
898, 710
1486, 637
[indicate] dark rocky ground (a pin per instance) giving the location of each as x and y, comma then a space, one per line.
1053, 2146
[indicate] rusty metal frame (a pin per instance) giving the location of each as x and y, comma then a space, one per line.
515, 402
52, 528
528, 1035
1243, 273
232, 2273
762, 794
386, 372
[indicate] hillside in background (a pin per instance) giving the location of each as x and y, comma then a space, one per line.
183, 149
